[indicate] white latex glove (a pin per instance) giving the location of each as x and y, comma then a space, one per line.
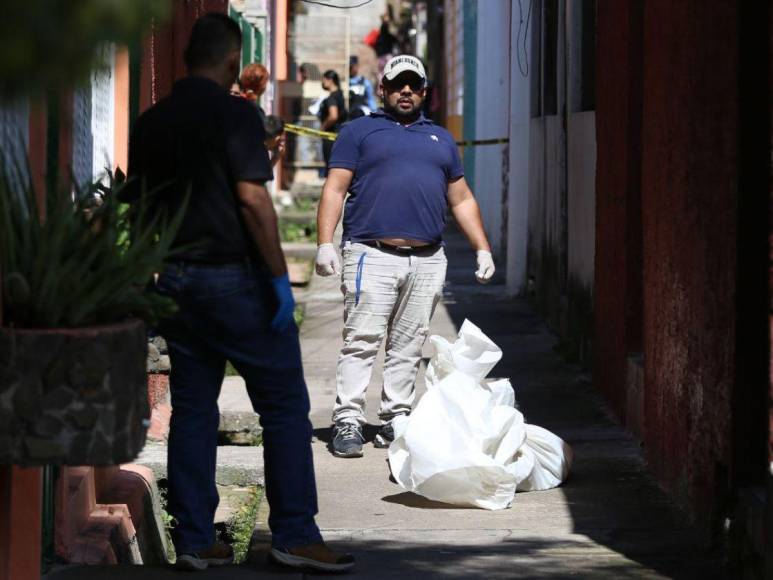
485, 266
327, 262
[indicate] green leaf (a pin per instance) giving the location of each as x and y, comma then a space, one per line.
89, 261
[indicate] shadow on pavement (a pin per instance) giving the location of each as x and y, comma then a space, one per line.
611, 496
384, 556
413, 500
622, 526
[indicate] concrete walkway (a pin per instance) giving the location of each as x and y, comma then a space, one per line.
608, 521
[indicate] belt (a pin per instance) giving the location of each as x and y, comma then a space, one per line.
400, 249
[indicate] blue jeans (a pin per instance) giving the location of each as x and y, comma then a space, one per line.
224, 314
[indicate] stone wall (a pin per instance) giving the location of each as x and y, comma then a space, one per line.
73, 396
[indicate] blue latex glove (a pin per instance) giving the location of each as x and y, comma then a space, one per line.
284, 314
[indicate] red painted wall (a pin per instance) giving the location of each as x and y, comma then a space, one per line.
20, 498
667, 123
163, 50
617, 286
689, 189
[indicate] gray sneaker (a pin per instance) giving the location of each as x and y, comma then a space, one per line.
385, 436
347, 439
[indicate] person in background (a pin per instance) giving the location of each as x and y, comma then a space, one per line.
254, 81
385, 44
275, 137
362, 100
303, 73
402, 174
201, 149
332, 111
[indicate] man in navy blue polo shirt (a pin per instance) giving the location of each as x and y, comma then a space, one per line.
402, 173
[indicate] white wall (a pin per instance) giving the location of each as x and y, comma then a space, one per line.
14, 130
582, 196
545, 185
562, 173
94, 124
14, 137
581, 156
103, 115
518, 182
492, 113
548, 177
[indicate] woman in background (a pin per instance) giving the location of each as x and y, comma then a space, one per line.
254, 81
332, 111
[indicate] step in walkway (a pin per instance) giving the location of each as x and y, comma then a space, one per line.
236, 464
240, 466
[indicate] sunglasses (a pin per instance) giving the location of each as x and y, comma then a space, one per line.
415, 83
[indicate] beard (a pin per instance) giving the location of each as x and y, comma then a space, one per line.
407, 115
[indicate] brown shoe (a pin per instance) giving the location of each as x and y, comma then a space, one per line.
315, 556
218, 554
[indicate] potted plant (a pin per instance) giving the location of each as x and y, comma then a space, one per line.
74, 275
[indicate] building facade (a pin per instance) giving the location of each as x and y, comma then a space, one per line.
86, 514
524, 72
632, 204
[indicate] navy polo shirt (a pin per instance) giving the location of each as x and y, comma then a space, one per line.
401, 175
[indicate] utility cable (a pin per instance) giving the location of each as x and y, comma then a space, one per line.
523, 64
335, 5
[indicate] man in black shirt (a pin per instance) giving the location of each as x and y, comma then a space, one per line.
229, 279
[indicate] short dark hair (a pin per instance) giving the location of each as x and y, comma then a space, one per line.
273, 125
213, 37
332, 76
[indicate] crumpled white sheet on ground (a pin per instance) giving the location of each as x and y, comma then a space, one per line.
465, 443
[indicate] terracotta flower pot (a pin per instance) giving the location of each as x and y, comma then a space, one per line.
73, 396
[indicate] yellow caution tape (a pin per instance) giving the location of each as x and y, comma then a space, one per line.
482, 142
330, 136
298, 130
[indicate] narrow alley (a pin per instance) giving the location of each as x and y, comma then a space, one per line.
609, 161
610, 520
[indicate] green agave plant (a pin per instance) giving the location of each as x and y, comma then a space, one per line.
81, 259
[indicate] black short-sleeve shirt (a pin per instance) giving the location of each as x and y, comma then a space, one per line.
336, 98
201, 140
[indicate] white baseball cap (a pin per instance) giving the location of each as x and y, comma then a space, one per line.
404, 63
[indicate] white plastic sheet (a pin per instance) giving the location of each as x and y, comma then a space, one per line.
465, 443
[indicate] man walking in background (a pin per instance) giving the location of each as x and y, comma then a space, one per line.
362, 101
229, 280
402, 173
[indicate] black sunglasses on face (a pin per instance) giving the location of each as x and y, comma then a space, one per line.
415, 83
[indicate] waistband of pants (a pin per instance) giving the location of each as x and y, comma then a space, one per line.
228, 265
400, 249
